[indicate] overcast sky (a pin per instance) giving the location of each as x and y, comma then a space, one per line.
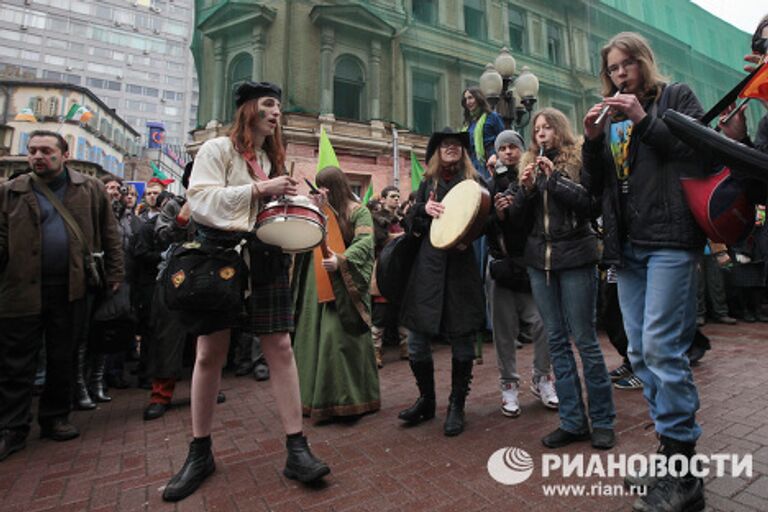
744, 14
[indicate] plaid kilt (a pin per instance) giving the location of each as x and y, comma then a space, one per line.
269, 308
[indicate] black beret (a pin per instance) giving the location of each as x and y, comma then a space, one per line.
255, 90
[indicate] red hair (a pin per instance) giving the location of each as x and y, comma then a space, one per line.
242, 138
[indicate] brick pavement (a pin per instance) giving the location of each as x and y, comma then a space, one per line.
121, 462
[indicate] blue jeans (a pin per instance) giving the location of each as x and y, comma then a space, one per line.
657, 293
419, 348
567, 303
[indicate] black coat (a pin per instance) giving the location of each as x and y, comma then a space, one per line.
658, 212
444, 294
562, 236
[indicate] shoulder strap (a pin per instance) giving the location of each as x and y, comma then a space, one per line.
668, 95
56, 203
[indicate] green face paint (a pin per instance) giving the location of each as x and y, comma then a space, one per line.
262, 114
54, 159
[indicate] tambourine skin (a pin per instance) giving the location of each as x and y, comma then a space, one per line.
467, 206
742, 159
291, 223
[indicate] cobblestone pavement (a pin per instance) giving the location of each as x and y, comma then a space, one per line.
121, 462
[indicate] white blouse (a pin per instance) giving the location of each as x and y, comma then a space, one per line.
220, 187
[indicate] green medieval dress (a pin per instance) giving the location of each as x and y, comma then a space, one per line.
332, 342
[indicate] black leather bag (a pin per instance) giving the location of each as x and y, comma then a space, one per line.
205, 277
393, 268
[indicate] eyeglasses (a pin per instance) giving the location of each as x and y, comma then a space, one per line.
625, 64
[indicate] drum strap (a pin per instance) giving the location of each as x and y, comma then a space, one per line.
253, 163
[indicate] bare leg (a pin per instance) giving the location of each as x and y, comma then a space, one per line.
206, 379
284, 379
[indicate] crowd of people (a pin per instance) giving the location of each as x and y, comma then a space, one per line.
582, 231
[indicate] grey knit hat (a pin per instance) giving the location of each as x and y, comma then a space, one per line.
509, 137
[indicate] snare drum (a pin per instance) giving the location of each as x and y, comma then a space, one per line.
292, 223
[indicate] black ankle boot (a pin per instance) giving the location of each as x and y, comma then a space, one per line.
674, 493
461, 376
198, 466
82, 400
97, 388
301, 465
424, 407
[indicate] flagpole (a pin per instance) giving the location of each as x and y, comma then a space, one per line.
396, 160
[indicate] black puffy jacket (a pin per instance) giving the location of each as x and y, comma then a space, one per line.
562, 236
658, 214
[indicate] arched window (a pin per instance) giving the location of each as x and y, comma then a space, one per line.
348, 88
240, 70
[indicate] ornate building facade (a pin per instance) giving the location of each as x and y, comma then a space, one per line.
379, 75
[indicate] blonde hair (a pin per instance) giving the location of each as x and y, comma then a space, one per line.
568, 159
435, 163
637, 47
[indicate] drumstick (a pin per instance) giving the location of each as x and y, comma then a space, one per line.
290, 172
314, 190
604, 110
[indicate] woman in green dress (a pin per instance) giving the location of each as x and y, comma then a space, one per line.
332, 343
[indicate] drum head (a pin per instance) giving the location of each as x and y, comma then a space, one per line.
292, 235
461, 205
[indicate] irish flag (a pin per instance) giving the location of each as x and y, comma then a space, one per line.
78, 113
26, 114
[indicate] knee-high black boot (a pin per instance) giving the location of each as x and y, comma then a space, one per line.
461, 376
98, 391
82, 400
424, 407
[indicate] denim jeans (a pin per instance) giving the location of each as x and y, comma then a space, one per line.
419, 348
657, 292
567, 302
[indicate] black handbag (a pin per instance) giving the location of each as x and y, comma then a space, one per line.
393, 268
205, 277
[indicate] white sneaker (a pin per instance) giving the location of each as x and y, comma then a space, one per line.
510, 403
544, 389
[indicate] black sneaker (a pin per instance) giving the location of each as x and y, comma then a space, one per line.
619, 373
560, 438
603, 438
11, 441
673, 494
155, 411
59, 429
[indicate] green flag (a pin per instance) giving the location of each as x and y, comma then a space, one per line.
326, 156
157, 173
417, 173
368, 194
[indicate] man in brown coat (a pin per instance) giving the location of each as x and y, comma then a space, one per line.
43, 288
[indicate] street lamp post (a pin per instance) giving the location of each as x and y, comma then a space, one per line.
511, 96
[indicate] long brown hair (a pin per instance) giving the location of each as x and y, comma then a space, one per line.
340, 196
435, 164
568, 159
637, 47
482, 104
242, 138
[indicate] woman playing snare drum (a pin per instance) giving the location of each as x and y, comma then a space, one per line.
232, 177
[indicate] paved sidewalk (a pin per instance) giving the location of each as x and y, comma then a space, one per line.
121, 462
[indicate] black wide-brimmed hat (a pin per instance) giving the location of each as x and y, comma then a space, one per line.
445, 133
255, 90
